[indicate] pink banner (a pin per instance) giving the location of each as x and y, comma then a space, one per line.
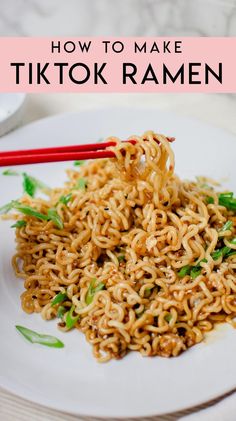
117, 64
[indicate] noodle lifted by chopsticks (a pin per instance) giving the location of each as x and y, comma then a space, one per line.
130, 225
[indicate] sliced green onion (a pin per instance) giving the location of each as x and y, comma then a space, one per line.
168, 317
59, 298
229, 204
227, 195
220, 253
65, 199
70, 319
227, 226
32, 184
121, 258
28, 210
209, 200
147, 292
10, 172
40, 185
225, 251
52, 214
230, 253
92, 290
6, 208
29, 185
227, 200
185, 270
195, 272
216, 254
61, 311
79, 163
55, 218
202, 261
19, 224
81, 184
39, 338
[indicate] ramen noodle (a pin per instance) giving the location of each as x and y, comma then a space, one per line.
142, 261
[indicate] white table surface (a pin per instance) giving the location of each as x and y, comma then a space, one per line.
118, 18
215, 109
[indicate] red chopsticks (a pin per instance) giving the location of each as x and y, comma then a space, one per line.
60, 153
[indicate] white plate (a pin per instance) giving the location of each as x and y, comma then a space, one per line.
70, 379
11, 111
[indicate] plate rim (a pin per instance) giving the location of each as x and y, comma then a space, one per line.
107, 417
118, 108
